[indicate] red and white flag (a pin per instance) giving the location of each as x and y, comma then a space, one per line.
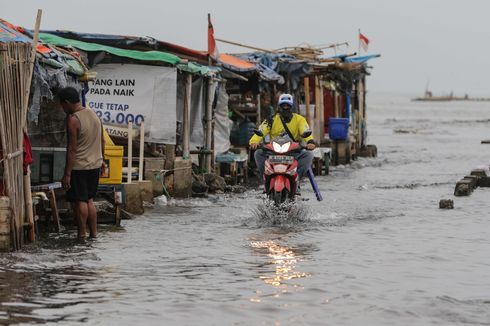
363, 41
212, 48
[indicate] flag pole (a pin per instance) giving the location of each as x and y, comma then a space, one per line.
359, 41
209, 54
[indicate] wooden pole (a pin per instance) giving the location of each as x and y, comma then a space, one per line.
317, 110
321, 120
130, 151
259, 113
359, 41
142, 151
209, 126
186, 120
307, 100
27, 178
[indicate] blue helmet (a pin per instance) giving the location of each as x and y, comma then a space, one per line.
285, 99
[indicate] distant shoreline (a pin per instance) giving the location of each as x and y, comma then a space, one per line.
450, 98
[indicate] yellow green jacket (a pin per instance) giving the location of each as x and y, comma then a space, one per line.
297, 126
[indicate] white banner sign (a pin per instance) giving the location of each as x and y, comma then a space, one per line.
128, 92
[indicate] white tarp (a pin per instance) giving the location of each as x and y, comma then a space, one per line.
222, 124
128, 92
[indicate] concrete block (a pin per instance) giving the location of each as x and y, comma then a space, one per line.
479, 173
463, 188
169, 156
484, 182
168, 181
341, 152
153, 166
146, 190
473, 180
133, 202
446, 204
182, 178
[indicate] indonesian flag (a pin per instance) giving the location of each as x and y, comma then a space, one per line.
363, 41
212, 49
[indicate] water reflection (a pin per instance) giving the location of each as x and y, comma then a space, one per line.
283, 258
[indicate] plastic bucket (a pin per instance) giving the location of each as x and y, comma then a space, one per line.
338, 128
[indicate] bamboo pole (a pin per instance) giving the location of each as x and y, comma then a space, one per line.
186, 120
209, 126
130, 151
142, 151
27, 177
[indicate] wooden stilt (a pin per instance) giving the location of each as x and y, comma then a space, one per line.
142, 151
209, 126
130, 152
54, 210
186, 120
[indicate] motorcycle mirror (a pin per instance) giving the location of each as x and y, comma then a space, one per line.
258, 132
306, 134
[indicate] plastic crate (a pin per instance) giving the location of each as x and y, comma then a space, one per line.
113, 160
338, 128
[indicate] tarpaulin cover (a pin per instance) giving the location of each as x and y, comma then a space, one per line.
9, 34
281, 63
236, 64
197, 69
222, 124
132, 92
137, 55
145, 43
363, 58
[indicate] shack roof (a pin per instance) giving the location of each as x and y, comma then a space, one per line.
94, 47
9, 33
147, 43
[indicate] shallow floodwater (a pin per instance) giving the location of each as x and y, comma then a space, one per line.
376, 251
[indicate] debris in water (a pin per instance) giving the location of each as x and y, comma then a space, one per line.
446, 204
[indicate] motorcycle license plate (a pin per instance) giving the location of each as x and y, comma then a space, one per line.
281, 159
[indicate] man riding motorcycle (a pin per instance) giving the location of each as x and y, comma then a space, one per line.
285, 122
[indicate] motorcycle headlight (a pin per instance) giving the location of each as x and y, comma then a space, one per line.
281, 149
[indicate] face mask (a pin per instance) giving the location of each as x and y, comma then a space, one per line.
286, 114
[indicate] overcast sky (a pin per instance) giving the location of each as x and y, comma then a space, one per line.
444, 42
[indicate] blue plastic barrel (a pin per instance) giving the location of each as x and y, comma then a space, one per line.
338, 128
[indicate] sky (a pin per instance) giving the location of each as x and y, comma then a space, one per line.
444, 44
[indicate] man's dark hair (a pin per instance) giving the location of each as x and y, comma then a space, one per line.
69, 95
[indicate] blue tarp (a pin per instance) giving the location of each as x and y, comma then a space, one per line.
280, 63
361, 59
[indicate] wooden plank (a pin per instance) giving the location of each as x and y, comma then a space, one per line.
54, 210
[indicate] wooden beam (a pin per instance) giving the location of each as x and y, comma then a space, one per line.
209, 126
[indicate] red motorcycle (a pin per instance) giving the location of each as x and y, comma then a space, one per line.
280, 170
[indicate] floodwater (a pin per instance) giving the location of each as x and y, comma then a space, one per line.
376, 251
